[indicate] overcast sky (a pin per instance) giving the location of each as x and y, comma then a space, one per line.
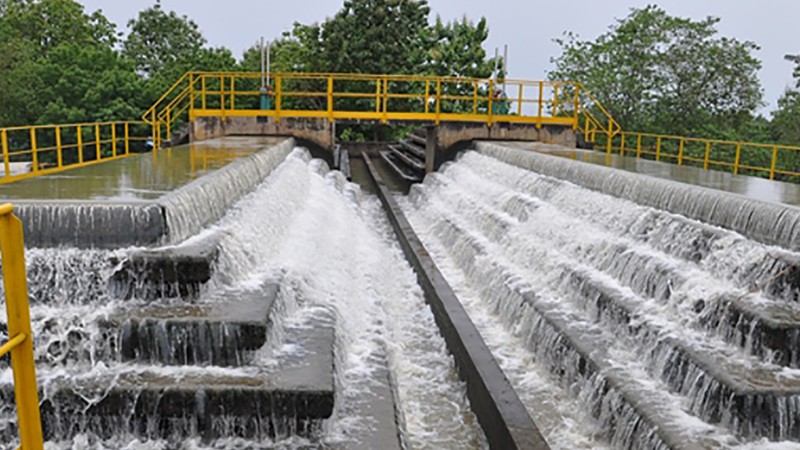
527, 26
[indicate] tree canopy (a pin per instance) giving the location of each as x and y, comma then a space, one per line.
661, 73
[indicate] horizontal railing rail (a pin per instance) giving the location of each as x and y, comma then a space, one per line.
773, 161
381, 98
30, 151
20, 344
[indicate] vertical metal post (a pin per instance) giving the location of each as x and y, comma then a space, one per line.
520, 98
127, 140
233, 92
80, 145
221, 93
738, 158
774, 162
555, 100
385, 100
658, 148
98, 153
491, 102
59, 154
438, 100
330, 99
35, 156
622, 146
19, 323
707, 155
680, 152
278, 97
610, 137
6, 163
113, 139
639, 146
203, 91
378, 89
475, 97
575, 106
427, 96
541, 104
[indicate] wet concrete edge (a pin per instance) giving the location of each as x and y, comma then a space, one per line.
500, 412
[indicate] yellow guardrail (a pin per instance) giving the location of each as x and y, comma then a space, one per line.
747, 158
380, 98
30, 151
20, 344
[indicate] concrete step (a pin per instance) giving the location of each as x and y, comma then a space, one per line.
401, 169
418, 138
178, 271
290, 397
414, 148
224, 331
409, 159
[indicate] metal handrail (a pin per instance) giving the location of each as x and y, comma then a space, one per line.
20, 345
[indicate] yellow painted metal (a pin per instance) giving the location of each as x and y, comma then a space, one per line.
773, 162
541, 104
10, 345
19, 325
622, 146
127, 139
738, 158
113, 140
34, 151
59, 155
97, 141
658, 148
330, 99
638, 146
6, 162
707, 155
680, 151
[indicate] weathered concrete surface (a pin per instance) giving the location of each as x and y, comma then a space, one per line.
222, 333
165, 272
501, 414
319, 131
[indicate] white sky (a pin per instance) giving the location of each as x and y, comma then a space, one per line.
527, 26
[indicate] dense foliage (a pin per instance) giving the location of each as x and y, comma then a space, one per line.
667, 74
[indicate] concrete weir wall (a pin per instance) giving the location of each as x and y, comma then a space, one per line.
166, 220
500, 412
768, 223
318, 131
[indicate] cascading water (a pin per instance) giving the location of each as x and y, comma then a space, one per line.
635, 313
330, 251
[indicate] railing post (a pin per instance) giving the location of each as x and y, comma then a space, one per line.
113, 139
233, 93
34, 155
427, 96
385, 100
707, 155
330, 99
127, 140
610, 137
6, 162
59, 154
221, 95
203, 91
19, 323
658, 148
738, 158
555, 100
575, 107
378, 90
541, 105
773, 163
80, 144
520, 99
278, 97
98, 153
474, 97
438, 100
622, 145
491, 102
680, 152
639, 146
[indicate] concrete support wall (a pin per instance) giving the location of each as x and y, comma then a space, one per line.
318, 131
451, 134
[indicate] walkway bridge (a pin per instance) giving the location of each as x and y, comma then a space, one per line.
235, 291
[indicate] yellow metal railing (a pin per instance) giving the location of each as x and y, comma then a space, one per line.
20, 344
747, 158
380, 98
31, 151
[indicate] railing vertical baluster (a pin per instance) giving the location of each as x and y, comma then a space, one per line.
541, 105
680, 152
438, 100
639, 145
521, 97
773, 163
738, 158
233, 92
127, 140
80, 144
474, 97
575, 106
427, 96
330, 99
113, 140
6, 162
658, 148
278, 97
707, 155
19, 324
59, 155
622, 145
203, 91
98, 153
34, 152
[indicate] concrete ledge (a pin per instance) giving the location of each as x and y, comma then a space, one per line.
501, 414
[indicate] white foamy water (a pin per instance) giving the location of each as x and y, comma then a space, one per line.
329, 246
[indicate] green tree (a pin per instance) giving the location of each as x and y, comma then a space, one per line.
656, 72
